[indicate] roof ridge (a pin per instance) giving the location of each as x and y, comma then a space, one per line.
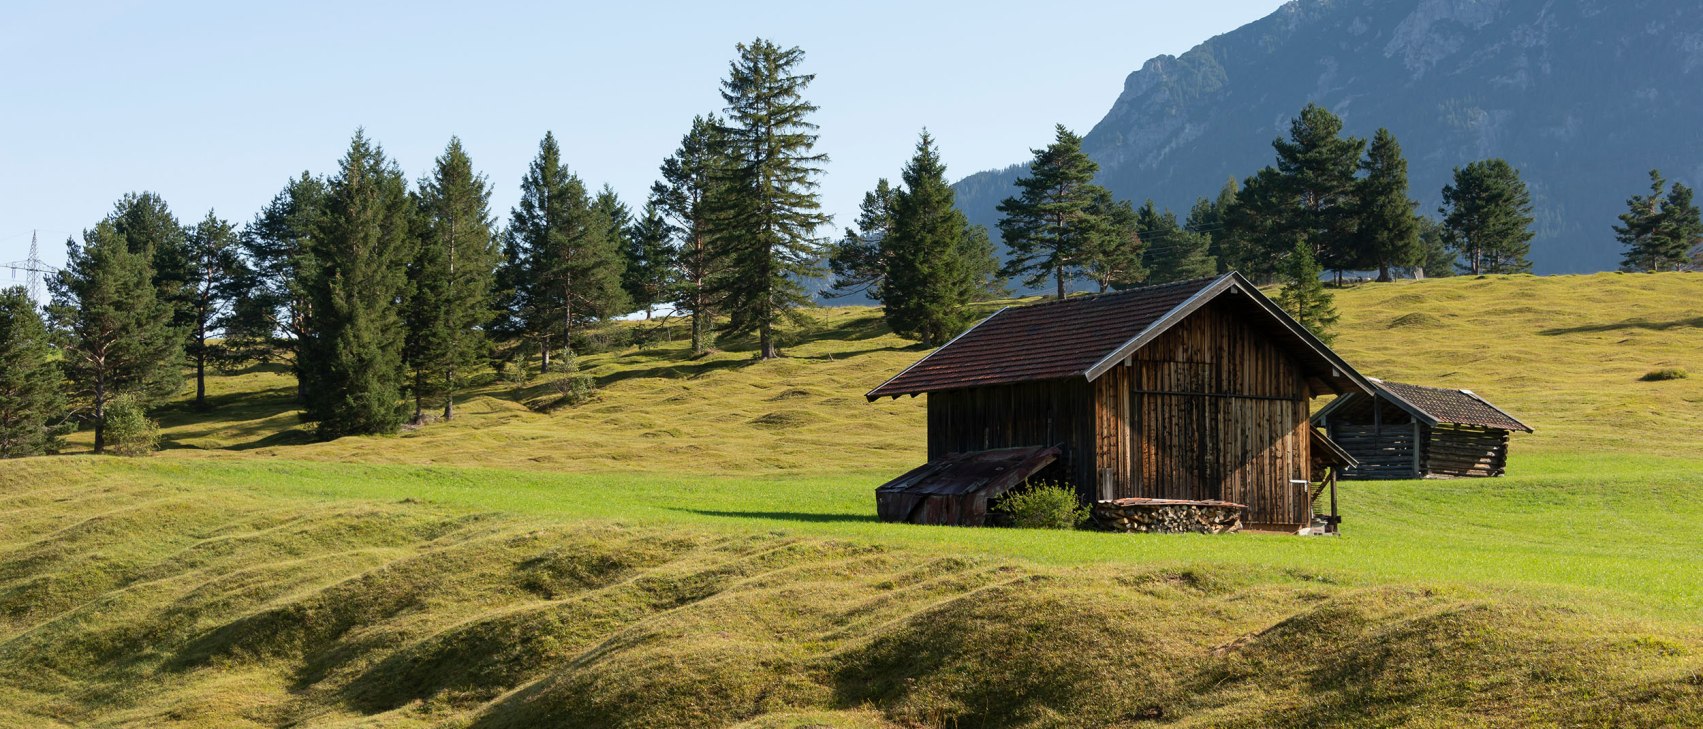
1144, 288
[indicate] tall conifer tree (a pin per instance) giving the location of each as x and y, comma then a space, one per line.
692, 180
770, 211
857, 261
1638, 227
1681, 226
217, 279
1052, 219
935, 265
450, 280
1173, 253
117, 335
1487, 217
1113, 258
31, 403
352, 366
273, 303
1388, 232
1318, 166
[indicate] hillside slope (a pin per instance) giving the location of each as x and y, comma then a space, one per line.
697, 548
1583, 97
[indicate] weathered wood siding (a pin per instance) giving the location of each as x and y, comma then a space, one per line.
1212, 409
1054, 412
1385, 451
1463, 450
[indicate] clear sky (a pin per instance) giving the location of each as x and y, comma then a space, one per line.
215, 105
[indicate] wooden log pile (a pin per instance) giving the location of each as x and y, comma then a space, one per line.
1168, 516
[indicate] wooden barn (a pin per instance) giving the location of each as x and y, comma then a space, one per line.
1412, 431
1197, 390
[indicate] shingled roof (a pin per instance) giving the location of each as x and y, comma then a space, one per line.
1435, 405
1084, 337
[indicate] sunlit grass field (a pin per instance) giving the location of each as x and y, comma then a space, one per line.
697, 547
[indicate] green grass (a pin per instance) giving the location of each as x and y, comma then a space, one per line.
697, 547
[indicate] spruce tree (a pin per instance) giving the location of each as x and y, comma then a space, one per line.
857, 261
352, 368
31, 404
273, 302
1206, 217
691, 182
1052, 219
117, 336
1638, 227
1113, 257
612, 222
1257, 234
650, 260
1388, 232
766, 243
1681, 228
154, 232
217, 278
1173, 253
934, 265
450, 280
1434, 259
1304, 295
1487, 217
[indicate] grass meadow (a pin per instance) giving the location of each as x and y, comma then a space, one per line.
697, 547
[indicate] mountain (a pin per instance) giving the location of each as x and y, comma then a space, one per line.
1583, 96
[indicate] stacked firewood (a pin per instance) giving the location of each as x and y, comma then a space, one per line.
1168, 516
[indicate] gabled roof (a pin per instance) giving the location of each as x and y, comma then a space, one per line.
1434, 405
1086, 336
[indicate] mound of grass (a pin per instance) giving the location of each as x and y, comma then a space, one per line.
1415, 319
1664, 374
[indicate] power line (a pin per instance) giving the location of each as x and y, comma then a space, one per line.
33, 267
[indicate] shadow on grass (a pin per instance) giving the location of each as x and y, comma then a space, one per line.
781, 515
1645, 324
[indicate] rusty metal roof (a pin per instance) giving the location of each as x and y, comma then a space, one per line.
1084, 337
1438, 405
994, 471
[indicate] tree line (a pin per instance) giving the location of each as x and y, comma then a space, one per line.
385, 298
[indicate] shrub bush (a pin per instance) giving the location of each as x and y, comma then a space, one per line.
575, 386
1666, 373
1044, 506
129, 431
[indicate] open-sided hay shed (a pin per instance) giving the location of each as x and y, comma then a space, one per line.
1196, 390
1413, 431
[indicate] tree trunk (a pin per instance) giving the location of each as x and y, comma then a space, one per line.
100, 415
1058, 275
449, 394
1383, 272
201, 368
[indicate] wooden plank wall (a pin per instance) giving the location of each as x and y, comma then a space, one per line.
1462, 450
1025, 414
1212, 409
1383, 451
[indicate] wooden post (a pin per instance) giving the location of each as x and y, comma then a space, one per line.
1416, 445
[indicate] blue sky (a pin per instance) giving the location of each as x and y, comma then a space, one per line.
216, 105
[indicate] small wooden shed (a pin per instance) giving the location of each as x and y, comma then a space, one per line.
1196, 390
1412, 431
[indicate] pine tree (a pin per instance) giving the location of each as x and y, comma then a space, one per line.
1173, 253
1487, 217
352, 367
562, 265
1206, 217
272, 303
857, 261
1052, 218
687, 193
31, 404
1681, 228
450, 280
217, 278
1257, 234
1317, 165
766, 242
1638, 227
1388, 230
650, 260
1304, 295
1114, 254
154, 232
934, 266
117, 335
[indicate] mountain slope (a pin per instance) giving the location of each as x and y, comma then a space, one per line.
1584, 97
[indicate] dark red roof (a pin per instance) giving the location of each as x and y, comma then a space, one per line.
1439, 405
1046, 341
